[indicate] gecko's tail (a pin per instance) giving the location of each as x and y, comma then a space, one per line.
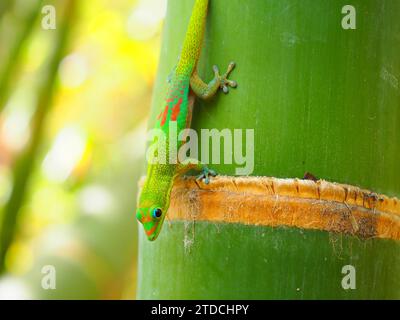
194, 36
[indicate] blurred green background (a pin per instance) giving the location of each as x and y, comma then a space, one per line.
74, 103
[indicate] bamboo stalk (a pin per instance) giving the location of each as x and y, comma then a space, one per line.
8, 74
320, 99
26, 160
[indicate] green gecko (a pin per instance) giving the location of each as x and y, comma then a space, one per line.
184, 85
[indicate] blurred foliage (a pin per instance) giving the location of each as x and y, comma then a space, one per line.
73, 105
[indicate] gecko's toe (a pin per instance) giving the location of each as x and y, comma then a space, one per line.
206, 174
216, 70
231, 66
232, 84
212, 173
224, 82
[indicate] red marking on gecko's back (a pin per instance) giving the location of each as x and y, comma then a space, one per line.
164, 115
176, 109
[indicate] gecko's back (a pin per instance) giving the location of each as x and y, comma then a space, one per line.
176, 103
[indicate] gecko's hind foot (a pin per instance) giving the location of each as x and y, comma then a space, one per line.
206, 174
225, 83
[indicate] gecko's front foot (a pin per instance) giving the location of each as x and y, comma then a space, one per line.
205, 175
224, 82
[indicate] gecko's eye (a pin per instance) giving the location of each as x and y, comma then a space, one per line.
156, 213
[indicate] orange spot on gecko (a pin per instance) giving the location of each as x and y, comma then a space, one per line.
151, 231
176, 109
164, 116
146, 219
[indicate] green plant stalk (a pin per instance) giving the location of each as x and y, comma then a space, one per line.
248, 262
7, 75
24, 164
320, 99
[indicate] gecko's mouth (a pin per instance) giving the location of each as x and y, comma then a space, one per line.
152, 237
153, 230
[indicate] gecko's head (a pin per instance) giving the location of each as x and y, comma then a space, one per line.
152, 219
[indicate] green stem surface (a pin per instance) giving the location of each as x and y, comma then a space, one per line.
320, 99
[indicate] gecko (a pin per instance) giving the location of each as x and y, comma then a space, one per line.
184, 85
